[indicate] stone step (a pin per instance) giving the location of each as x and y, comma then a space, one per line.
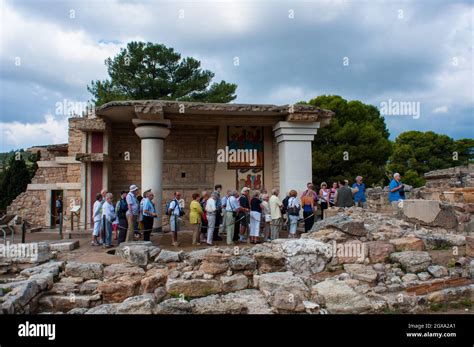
63, 245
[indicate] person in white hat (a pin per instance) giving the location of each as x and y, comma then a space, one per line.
133, 210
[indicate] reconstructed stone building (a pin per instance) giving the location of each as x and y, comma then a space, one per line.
168, 146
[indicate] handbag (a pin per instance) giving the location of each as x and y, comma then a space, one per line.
268, 218
293, 210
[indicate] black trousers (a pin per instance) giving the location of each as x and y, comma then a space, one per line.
308, 221
324, 206
122, 230
236, 228
147, 226
216, 227
203, 226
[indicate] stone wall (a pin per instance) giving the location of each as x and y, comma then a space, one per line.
124, 172
31, 206
454, 177
75, 136
50, 175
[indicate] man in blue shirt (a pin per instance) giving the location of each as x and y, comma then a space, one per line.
359, 192
396, 190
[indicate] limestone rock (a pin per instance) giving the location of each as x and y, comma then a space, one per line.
412, 261
409, 278
87, 271
193, 288
379, 251
270, 261
53, 267
242, 263
408, 244
138, 252
89, 287
437, 271
304, 256
123, 269
64, 245
430, 212
215, 263
343, 223
195, 257
174, 306
214, 304
166, 256
234, 283
78, 310
141, 304
338, 297
153, 279
64, 303
253, 299
424, 276
361, 272
103, 309
470, 246
118, 289
284, 291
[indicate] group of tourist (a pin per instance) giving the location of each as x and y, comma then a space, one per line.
245, 216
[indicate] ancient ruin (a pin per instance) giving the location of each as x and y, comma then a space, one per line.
411, 257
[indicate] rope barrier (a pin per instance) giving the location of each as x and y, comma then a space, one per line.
80, 225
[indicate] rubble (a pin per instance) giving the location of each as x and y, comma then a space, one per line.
356, 261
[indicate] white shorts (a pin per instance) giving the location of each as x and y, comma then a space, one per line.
255, 218
96, 228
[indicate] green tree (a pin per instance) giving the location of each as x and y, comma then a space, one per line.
34, 158
15, 179
416, 153
153, 71
354, 143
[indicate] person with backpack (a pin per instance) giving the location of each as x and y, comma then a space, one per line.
284, 211
121, 211
175, 211
293, 213
149, 214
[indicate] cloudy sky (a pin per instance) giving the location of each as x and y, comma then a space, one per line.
419, 52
